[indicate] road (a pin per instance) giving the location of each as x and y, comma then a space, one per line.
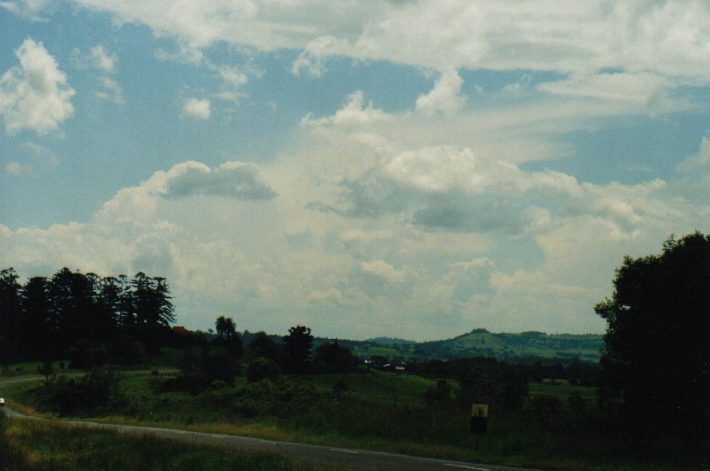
356, 459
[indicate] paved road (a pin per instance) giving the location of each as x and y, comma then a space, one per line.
356, 459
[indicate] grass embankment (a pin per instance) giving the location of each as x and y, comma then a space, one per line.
26, 368
382, 411
33, 446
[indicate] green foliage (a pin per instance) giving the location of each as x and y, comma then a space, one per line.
440, 397
477, 385
94, 392
261, 345
333, 358
228, 336
46, 370
11, 457
480, 342
64, 448
387, 411
655, 362
92, 319
545, 409
262, 368
86, 355
198, 373
9, 314
297, 349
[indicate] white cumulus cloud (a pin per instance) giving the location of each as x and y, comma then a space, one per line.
36, 94
195, 108
102, 60
28, 9
445, 96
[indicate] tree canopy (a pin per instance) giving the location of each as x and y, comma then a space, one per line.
72, 313
228, 335
298, 349
656, 360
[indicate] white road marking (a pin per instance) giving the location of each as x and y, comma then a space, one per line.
345, 451
465, 467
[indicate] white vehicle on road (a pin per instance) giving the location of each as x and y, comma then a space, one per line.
2, 402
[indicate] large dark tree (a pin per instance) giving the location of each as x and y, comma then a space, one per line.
10, 311
36, 331
228, 335
297, 349
656, 360
226, 328
334, 358
262, 345
72, 312
153, 309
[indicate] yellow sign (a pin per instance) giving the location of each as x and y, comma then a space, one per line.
479, 410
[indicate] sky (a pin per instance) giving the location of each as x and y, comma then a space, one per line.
367, 168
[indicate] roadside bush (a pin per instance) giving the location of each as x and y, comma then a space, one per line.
334, 358
262, 368
10, 456
95, 391
440, 396
199, 373
545, 409
86, 354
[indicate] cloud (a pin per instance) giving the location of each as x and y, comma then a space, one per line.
445, 96
647, 91
112, 91
383, 270
102, 60
699, 162
459, 213
632, 56
105, 65
223, 250
233, 80
37, 159
17, 169
310, 60
195, 108
445, 168
233, 180
185, 54
450, 188
28, 9
353, 113
666, 38
34, 95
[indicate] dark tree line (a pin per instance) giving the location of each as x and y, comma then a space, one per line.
656, 362
83, 316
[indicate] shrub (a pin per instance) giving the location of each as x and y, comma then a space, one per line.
333, 358
262, 368
97, 390
545, 408
198, 374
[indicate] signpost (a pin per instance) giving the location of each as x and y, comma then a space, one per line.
479, 420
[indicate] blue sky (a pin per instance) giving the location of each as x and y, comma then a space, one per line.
412, 169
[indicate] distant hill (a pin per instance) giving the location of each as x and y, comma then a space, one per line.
480, 342
390, 341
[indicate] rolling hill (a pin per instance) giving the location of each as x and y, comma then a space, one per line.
480, 342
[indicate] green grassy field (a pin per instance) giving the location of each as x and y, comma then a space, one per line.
562, 390
384, 411
39, 446
31, 367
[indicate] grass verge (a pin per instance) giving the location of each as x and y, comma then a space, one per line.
41, 446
